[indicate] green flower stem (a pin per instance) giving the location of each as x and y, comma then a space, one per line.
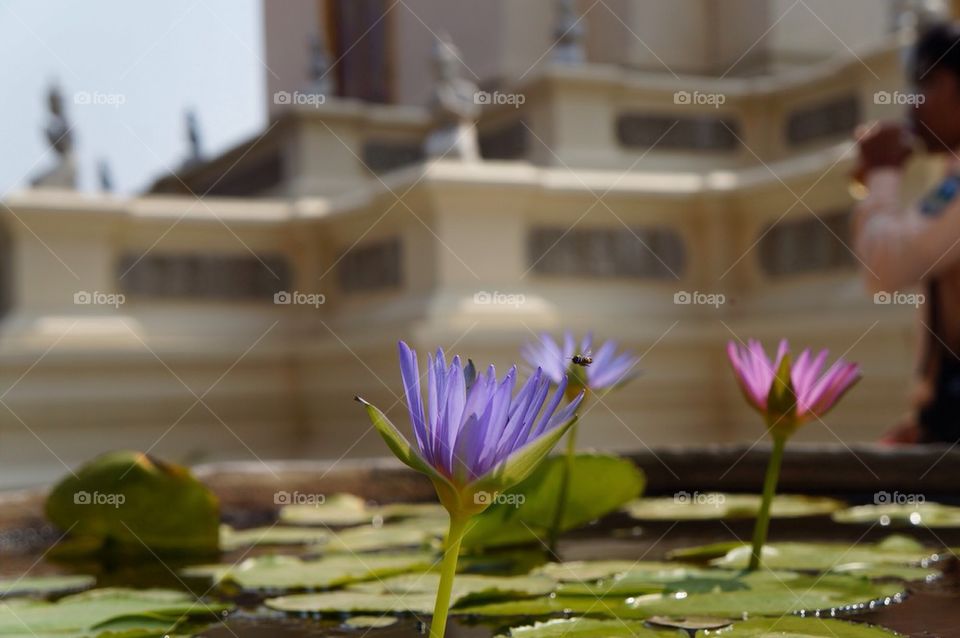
561, 509
448, 570
769, 490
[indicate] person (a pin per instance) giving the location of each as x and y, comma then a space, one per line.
919, 245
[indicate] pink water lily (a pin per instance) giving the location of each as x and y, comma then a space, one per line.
787, 393
815, 393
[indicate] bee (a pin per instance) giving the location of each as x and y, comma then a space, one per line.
584, 359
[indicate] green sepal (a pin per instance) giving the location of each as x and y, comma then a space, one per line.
782, 401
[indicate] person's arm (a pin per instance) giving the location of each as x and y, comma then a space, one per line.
898, 246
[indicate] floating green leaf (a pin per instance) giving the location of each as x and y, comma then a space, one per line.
686, 506
136, 503
599, 484
414, 593
231, 539
45, 584
411, 533
931, 515
788, 626
369, 622
347, 510
338, 510
725, 593
894, 550
96, 612
291, 572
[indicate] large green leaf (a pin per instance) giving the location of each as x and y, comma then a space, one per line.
686, 506
93, 612
137, 504
788, 626
599, 484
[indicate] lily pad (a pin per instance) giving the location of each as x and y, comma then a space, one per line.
369, 622
599, 485
338, 510
135, 503
291, 572
45, 585
894, 550
347, 510
411, 533
788, 626
231, 539
932, 515
700, 506
725, 594
99, 611
414, 594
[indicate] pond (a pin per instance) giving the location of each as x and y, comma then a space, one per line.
611, 569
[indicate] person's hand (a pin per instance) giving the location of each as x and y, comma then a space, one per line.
882, 145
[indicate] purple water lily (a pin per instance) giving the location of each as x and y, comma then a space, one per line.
474, 437
464, 433
606, 370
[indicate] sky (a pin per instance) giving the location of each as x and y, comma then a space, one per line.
128, 71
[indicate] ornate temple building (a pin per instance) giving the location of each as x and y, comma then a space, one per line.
670, 174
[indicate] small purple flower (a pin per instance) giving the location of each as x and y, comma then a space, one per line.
607, 370
815, 393
467, 438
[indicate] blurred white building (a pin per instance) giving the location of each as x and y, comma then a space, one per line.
670, 174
